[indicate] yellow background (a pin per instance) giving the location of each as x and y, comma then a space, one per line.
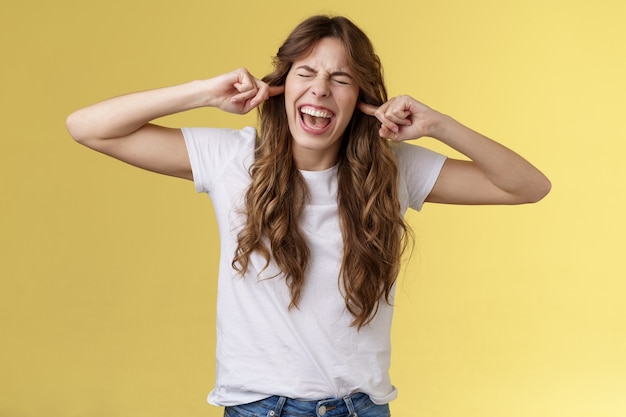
108, 272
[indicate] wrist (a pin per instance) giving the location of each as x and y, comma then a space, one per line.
439, 125
202, 93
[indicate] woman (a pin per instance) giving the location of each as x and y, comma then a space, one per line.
310, 211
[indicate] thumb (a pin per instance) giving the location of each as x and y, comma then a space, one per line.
368, 109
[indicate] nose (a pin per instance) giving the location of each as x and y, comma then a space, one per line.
320, 87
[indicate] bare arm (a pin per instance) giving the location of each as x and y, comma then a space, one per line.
120, 127
493, 175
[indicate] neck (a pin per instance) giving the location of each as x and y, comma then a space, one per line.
313, 160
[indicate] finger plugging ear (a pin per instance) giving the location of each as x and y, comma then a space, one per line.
368, 109
276, 90
265, 92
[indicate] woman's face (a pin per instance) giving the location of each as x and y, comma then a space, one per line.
320, 96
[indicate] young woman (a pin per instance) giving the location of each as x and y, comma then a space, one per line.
310, 210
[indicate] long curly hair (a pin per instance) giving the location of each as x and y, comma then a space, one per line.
373, 229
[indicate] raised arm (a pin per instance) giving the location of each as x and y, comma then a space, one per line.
493, 175
120, 127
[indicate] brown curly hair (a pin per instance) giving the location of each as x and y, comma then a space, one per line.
373, 229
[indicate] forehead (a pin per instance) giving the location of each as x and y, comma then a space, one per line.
328, 54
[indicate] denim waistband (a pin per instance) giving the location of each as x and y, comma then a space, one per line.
347, 406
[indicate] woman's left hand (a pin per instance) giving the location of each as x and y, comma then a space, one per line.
403, 118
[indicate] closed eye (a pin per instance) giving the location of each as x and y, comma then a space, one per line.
338, 77
341, 81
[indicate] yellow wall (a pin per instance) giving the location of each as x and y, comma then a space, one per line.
108, 272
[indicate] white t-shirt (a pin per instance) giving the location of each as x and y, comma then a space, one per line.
310, 352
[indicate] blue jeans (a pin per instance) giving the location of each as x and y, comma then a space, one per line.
356, 405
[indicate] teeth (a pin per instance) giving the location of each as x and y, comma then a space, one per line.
315, 113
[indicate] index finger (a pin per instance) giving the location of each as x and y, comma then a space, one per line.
276, 90
265, 92
368, 109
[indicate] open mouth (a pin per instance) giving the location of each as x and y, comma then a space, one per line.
315, 119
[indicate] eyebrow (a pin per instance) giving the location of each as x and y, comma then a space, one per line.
332, 74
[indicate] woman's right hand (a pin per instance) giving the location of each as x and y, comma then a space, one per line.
239, 92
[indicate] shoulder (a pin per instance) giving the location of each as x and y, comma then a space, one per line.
213, 150
416, 162
219, 144
418, 170
215, 135
408, 154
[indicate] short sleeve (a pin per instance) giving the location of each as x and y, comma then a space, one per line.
211, 150
419, 169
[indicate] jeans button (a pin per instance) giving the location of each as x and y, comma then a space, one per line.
322, 410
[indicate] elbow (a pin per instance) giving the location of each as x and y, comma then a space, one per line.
77, 128
540, 188
72, 123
